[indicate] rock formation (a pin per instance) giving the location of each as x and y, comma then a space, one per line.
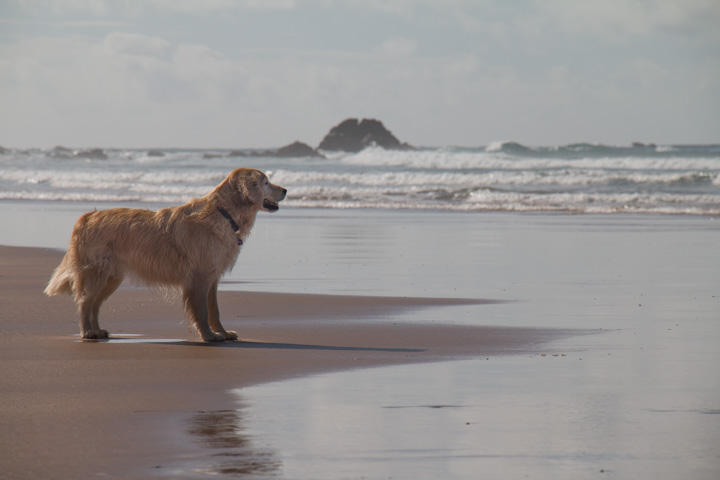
61, 152
353, 136
293, 150
92, 154
296, 149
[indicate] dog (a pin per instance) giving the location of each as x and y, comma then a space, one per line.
189, 246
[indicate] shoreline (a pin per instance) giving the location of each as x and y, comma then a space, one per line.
73, 409
88, 204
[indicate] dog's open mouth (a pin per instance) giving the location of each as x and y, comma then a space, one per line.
270, 206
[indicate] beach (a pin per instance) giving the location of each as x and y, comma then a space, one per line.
75, 409
486, 243
572, 346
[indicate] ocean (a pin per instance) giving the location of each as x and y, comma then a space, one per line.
637, 398
504, 176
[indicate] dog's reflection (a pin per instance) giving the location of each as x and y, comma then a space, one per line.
223, 432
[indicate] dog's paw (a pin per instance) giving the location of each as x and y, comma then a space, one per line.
220, 337
230, 336
214, 337
95, 334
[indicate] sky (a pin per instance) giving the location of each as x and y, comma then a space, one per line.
264, 73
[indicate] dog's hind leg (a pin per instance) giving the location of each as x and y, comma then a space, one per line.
112, 284
86, 310
195, 298
89, 305
214, 315
94, 286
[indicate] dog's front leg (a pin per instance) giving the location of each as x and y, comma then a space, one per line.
195, 298
214, 315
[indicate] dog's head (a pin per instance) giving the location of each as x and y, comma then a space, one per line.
253, 186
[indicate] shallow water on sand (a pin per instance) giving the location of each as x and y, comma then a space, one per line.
594, 406
639, 400
577, 416
595, 271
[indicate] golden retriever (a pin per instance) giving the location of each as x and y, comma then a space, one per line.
190, 246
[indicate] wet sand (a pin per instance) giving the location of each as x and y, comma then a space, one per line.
74, 409
637, 398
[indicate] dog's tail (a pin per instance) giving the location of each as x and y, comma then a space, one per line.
63, 279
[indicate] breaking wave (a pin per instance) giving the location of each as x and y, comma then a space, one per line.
507, 176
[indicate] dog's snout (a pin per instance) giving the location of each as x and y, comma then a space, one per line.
284, 190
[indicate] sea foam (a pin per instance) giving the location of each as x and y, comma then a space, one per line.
580, 178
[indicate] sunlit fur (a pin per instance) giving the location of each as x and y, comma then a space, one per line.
190, 246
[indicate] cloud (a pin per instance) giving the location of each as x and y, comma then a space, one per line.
617, 20
433, 78
199, 5
135, 44
136, 7
93, 7
70, 89
398, 46
139, 90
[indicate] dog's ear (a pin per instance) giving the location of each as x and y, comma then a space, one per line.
245, 183
242, 177
254, 179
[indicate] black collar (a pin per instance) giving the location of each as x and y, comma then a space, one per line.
225, 214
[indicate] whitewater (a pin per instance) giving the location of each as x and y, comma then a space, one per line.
504, 176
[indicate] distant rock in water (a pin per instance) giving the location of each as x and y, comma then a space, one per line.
155, 153
293, 150
61, 152
233, 153
508, 147
297, 149
3, 150
353, 136
92, 154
